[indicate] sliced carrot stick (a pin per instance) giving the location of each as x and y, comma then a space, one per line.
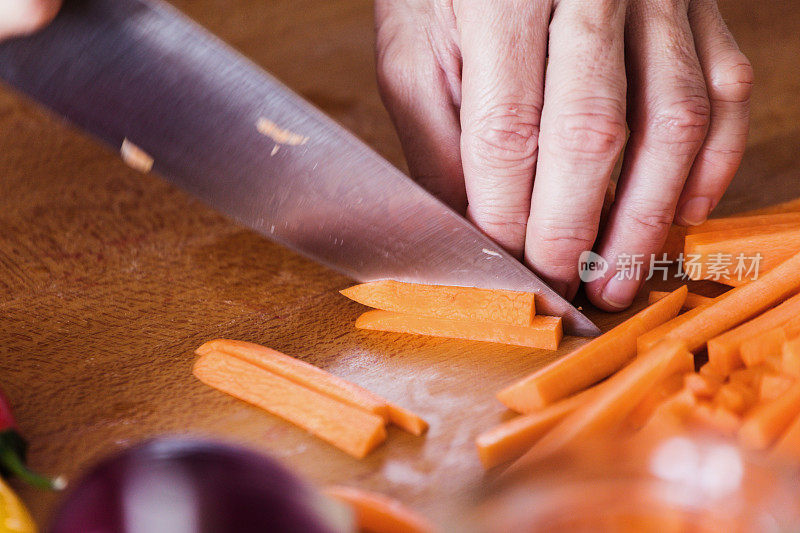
716, 418
615, 398
708, 370
654, 336
590, 363
350, 429
655, 397
750, 377
790, 357
405, 419
453, 303
758, 348
301, 373
544, 332
788, 445
734, 307
509, 440
765, 423
739, 222
735, 397
377, 513
701, 385
775, 244
692, 300
784, 207
772, 386
724, 351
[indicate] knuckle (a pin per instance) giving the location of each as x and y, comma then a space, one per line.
649, 221
563, 241
506, 135
681, 125
593, 135
731, 80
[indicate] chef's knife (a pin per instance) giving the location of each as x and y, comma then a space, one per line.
215, 124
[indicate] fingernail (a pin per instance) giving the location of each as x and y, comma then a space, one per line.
694, 212
619, 293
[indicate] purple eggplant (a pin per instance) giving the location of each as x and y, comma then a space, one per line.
195, 486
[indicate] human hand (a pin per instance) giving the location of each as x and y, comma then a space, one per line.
21, 17
488, 94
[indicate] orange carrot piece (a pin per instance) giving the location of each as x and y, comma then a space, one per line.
735, 398
734, 307
300, 372
716, 418
750, 377
774, 243
724, 351
783, 207
654, 336
788, 445
655, 397
509, 440
590, 363
772, 386
709, 371
544, 332
692, 300
405, 419
377, 513
702, 385
453, 303
765, 423
790, 357
615, 398
757, 349
739, 222
349, 428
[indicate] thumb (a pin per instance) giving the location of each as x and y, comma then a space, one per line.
21, 17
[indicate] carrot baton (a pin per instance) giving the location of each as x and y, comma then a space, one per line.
376, 513
349, 428
453, 303
745, 222
544, 332
301, 373
788, 446
590, 363
735, 306
615, 398
692, 300
509, 440
724, 350
765, 423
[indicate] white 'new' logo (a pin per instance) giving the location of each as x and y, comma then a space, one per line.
591, 266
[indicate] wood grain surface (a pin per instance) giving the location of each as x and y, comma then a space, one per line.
109, 279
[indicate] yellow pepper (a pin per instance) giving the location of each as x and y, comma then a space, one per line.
14, 517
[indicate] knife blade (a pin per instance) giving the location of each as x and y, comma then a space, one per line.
218, 126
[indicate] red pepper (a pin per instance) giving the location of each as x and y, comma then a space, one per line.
12, 451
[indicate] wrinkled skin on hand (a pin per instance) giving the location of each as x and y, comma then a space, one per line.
515, 112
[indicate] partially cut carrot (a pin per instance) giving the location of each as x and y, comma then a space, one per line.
790, 357
301, 373
766, 422
724, 351
405, 419
377, 513
509, 440
775, 244
453, 303
615, 398
349, 428
692, 300
544, 332
734, 307
590, 363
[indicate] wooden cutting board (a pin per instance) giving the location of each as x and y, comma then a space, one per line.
109, 279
